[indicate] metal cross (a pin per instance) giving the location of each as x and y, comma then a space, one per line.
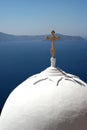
53, 38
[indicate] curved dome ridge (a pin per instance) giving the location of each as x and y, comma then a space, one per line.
55, 75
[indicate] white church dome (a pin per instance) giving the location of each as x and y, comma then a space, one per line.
50, 100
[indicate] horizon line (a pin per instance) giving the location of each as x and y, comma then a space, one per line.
42, 34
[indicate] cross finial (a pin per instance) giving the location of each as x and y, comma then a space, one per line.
53, 38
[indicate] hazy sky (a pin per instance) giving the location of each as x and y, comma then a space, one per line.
41, 16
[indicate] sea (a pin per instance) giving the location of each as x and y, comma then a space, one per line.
22, 59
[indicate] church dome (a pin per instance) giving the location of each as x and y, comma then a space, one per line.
49, 100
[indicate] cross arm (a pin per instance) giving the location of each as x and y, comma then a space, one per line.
48, 38
57, 38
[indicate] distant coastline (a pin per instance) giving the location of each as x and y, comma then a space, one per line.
10, 37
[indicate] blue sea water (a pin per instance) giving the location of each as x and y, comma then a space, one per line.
19, 60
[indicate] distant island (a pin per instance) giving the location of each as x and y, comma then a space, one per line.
9, 37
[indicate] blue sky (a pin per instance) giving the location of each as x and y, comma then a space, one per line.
33, 17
